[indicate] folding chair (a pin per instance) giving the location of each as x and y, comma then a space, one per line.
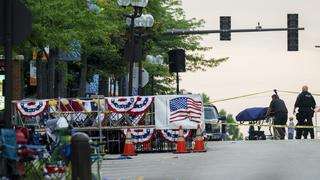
72, 111
55, 166
95, 112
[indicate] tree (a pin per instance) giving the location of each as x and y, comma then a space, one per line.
59, 23
168, 14
233, 130
205, 99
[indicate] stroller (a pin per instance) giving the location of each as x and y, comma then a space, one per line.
254, 117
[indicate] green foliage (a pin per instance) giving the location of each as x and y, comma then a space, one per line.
233, 130
56, 24
102, 35
205, 99
168, 14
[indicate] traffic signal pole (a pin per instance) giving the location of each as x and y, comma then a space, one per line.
190, 32
225, 30
225, 33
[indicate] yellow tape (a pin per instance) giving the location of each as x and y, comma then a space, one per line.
242, 96
262, 92
295, 92
267, 125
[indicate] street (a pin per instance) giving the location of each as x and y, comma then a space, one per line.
243, 160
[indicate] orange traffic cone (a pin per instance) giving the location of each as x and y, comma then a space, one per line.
181, 143
129, 149
199, 144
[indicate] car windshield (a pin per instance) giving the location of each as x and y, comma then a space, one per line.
210, 113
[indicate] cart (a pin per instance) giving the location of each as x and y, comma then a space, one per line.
253, 117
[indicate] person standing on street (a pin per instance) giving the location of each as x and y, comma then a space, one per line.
306, 104
290, 129
279, 110
224, 135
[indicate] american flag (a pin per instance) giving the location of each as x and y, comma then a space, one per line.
185, 108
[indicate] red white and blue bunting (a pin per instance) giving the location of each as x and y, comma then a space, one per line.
172, 134
130, 109
141, 135
132, 105
121, 104
142, 105
32, 108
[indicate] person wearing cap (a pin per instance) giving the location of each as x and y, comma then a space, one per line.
306, 104
279, 110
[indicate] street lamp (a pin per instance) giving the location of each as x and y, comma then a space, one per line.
137, 5
144, 21
158, 60
155, 59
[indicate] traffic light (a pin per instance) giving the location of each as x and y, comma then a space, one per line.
225, 27
293, 40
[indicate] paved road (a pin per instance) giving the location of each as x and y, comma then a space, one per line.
245, 160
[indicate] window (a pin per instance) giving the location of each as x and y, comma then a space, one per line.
210, 113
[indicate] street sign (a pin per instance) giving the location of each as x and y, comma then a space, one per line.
145, 77
21, 22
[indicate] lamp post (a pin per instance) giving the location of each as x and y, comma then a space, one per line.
144, 21
137, 5
158, 60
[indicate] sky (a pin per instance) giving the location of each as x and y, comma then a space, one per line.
257, 61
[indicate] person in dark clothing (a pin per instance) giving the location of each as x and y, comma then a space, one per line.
306, 104
279, 110
224, 135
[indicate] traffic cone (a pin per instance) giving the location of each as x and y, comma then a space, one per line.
198, 142
181, 143
129, 149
